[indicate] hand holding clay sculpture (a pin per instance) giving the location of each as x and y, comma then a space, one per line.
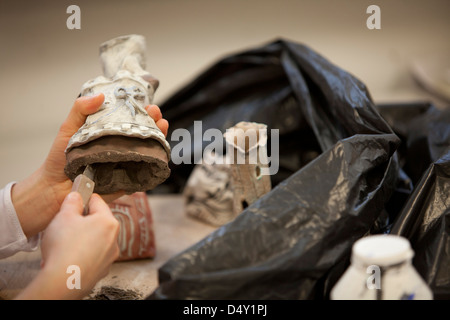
37, 200
121, 142
42, 202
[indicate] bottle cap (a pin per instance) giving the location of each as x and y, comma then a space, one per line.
382, 250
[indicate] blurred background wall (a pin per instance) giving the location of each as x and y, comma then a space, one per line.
43, 64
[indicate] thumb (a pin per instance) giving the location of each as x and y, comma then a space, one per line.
82, 107
73, 203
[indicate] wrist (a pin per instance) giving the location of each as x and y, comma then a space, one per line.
51, 283
34, 202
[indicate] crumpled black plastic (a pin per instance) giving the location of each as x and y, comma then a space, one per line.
425, 217
425, 221
294, 242
286, 86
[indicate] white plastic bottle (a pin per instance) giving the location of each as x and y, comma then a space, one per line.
381, 269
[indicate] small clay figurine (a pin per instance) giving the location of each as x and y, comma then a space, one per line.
208, 194
248, 164
216, 193
121, 142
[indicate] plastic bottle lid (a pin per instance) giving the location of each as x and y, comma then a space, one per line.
382, 250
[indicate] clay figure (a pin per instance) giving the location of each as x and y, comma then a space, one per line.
247, 145
121, 142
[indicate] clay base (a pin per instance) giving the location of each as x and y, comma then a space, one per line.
120, 163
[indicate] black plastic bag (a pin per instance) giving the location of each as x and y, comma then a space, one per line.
425, 221
286, 86
294, 242
425, 218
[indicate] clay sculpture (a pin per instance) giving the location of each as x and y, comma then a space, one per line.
249, 182
121, 142
217, 192
208, 192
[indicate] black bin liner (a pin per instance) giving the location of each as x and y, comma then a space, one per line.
294, 242
425, 217
286, 86
425, 221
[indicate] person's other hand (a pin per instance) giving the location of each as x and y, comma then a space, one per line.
71, 240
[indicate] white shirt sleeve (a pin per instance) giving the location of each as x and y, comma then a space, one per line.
12, 238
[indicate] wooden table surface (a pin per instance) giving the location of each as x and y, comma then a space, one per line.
174, 232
